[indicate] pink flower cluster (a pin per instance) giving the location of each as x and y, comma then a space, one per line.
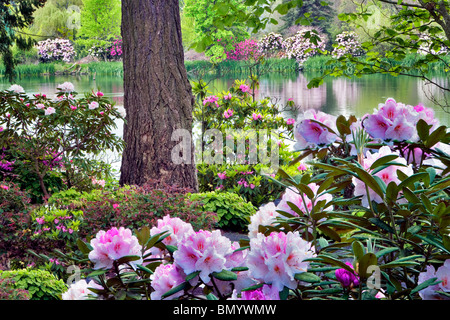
300, 47
211, 100
206, 252
55, 50
346, 278
244, 50
165, 278
397, 121
312, 130
257, 116
228, 113
276, 259
302, 202
175, 227
387, 175
112, 245
347, 42
443, 275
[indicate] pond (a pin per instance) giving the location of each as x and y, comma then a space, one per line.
336, 96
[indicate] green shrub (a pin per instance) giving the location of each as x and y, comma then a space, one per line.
232, 210
9, 292
41, 284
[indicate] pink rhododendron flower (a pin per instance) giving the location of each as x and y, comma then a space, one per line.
397, 121
228, 96
265, 216
276, 259
290, 121
347, 278
211, 100
203, 251
115, 205
40, 220
256, 116
67, 87
442, 274
49, 111
266, 292
99, 94
112, 245
165, 278
303, 203
223, 175
302, 167
309, 133
93, 105
73, 108
80, 290
175, 227
4, 187
244, 88
16, 88
387, 175
228, 113
40, 106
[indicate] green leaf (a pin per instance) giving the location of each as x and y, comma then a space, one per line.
211, 296
127, 259
225, 275
191, 276
379, 162
176, 289
358, 249
307, 277
367, 260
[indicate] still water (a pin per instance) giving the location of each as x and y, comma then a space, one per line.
336, 96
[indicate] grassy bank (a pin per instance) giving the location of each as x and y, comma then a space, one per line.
201, 67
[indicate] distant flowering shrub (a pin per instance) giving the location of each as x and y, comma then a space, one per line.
306, 43
55, 50
347, 42
434, 46
245, 50
270, 43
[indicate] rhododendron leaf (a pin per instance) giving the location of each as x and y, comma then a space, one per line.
330, 233
239, 269
436, 136
301, 157
211, 296
225, 275
409, 181
385, 251
381, 224
383, 160
191, 276
127, 259
307, 277
176, 289
358, 249
83, 246
367, 260
294, 208
410, 196
97, 273
145, 269
256, 286
427, 283
303, 188
143, 235
333, 261
423, 129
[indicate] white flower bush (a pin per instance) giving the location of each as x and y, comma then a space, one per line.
55, 50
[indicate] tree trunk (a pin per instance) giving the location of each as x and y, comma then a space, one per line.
157, 94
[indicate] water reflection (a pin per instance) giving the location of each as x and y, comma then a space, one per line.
336, 96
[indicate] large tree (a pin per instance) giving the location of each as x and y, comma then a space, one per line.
157, 93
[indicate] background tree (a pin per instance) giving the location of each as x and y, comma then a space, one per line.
51, 19
100, 22
319, 12
15, 15
205, 22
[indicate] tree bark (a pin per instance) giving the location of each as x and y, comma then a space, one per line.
157, 94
